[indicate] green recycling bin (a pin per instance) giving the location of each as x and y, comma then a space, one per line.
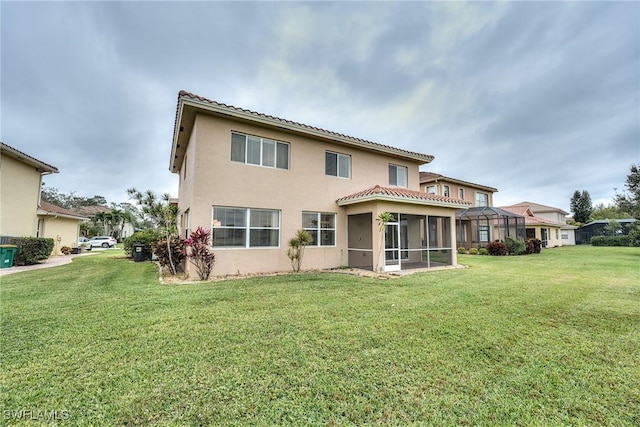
6, 255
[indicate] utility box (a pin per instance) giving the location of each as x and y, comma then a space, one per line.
6, 255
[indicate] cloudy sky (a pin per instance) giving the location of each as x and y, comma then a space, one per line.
536, 99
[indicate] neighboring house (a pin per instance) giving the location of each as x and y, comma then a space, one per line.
567, 231
477, 194
256, 179
548, 231
481, 223
597, 228
62, 225
20, 183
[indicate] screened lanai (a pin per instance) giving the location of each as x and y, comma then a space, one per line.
475, 227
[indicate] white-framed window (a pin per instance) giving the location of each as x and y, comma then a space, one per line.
445, 191
253, 150
337, 164
321, 226
461, 193
398, 175
482, 199
431, 189
185, 223
565, 236
483, 233
245, 228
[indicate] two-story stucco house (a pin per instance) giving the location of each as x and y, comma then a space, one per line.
549, 231
556, 215
476, 194
256, 179
481, 223
22, 213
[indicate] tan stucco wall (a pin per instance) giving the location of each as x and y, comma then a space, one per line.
19, 192
212, 179
552, 239
469, 192
63, 231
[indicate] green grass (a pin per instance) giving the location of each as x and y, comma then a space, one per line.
549, 339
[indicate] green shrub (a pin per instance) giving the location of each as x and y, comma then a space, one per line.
462, 251
473, 251
146, 237
515, 246
31, 250
483, 251
497, 248
611, 241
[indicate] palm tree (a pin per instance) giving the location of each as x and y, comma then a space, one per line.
101, 219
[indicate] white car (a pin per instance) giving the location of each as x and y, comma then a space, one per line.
100, 241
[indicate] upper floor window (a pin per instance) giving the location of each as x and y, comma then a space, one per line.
431, 189
482, 199
245, 228
337, 164
461, 193
254, 150
321, 226
397, 175
445, 191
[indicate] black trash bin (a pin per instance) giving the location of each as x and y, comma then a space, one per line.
138, 253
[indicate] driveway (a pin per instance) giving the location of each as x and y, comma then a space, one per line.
53, 261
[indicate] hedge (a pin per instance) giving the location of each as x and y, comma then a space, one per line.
611, 241
31, 250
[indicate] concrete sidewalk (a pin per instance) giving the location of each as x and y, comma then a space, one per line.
52, 261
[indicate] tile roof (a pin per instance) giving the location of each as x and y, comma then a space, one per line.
94, 209
430, 177
51, 208
529, 217
402, 195
15, 153
537, 207
286, 124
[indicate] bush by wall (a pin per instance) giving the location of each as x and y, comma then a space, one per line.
534, 246
473, 251
497, 248
483, 251
177, 252
611, 241
462, 251
515, 246
31, 250
146, 237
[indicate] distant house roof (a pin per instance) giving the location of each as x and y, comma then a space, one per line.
47, 208
190, 104
537, 207
401, 195
41, 166
606, 221
92, 210
426, 177
529, 217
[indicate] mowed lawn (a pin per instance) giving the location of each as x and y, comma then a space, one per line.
549, 339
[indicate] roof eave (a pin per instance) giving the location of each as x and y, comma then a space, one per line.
387, 198
182, 132
41, 166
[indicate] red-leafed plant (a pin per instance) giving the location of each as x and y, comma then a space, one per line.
497, 248
199, 253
